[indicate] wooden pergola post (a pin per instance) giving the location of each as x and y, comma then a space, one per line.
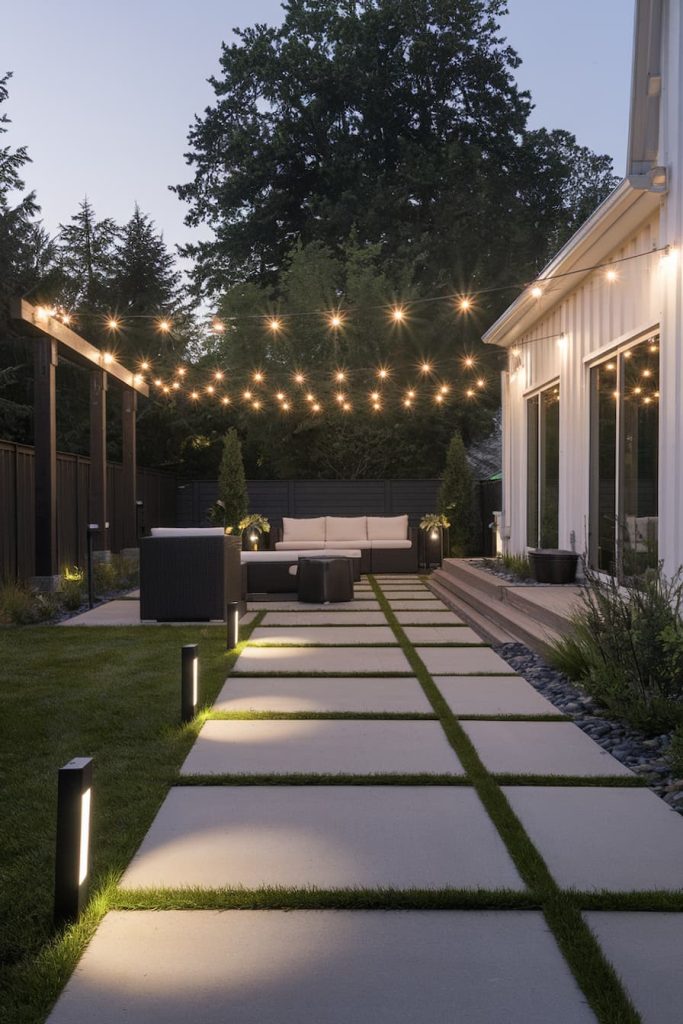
97, 498
53, 338
45, 444
129, 407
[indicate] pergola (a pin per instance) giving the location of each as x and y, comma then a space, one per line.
50, 339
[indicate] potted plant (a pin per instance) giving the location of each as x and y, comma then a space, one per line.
433, 524
252, 528
553, 565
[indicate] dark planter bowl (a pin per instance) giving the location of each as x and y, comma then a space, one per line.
552, 565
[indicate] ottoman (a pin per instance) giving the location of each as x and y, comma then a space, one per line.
321, 580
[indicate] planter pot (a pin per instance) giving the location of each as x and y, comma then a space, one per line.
552, 565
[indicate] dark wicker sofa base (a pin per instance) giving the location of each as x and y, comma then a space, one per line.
188, 579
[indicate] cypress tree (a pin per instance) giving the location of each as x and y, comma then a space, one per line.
232, 485
456, 498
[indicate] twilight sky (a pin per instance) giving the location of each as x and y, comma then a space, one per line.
104, 90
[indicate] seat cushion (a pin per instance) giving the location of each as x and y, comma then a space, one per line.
388, 545
299, 545
303, 529
346, 528
190, 531
343, 544
387, 527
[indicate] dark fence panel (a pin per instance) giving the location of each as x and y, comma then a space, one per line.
308, 498
490, 496
156, 489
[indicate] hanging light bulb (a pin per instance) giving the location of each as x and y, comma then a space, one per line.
299, 378
346, 407
113, 323
315, 407
175, 385
164, 326
258, 377
218, 375
425, 367
256, 405
274, 324
465, 304
194, 395
382, 373
481, 383
247, 396
225, 400
285, 406
469, 362
107, 358
611, 275
210, 389
374, 396
310, 397
335, 321
398, 314
158, 382
340, 376
181, 371
280, 395
144, 365
536, 292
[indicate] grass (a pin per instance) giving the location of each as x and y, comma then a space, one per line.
112, 694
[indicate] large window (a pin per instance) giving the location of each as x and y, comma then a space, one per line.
543, 465
624, 460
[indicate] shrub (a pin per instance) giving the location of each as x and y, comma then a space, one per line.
72, 589
456, 499
626, 647
676, 753
517, 565
233, 503
21, 606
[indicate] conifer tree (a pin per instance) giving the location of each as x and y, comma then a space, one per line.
232, 485
456, 498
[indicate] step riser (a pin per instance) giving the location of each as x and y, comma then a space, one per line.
490, 632
541, 614
534, 635
463, 572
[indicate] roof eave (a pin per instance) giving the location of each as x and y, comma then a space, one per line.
611, 223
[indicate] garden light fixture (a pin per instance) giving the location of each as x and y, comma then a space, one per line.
189, 681
72, 861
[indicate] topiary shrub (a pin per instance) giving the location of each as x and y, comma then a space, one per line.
456, 499
233, 502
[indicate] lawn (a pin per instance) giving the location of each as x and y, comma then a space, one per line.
114, 695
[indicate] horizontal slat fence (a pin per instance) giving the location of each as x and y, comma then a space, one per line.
157, 489
306, 498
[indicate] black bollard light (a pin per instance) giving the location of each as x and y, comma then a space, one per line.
232, 614
72, 860
139, 519
93, 528
189, 681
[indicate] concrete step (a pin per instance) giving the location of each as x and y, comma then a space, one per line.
488, 630
499, 613
463, 570
550, 605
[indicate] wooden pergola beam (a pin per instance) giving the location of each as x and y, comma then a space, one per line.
80, 351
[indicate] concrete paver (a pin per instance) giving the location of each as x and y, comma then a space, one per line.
541, 748
645, 950
427, 604
595, 838
437, 617
353, 747
465, 661
442, 635
493, 695
323, 966
269, 635
357, 605
311, 660
331, 837
326, 693
337, 618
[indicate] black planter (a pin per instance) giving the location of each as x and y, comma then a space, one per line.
552, 565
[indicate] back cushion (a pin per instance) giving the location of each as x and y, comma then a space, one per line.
303, 529
387, 527
189, 531
346, 528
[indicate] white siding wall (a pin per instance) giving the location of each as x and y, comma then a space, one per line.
594, 318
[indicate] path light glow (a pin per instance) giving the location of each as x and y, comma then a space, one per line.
189, 681
232, 615
72, 859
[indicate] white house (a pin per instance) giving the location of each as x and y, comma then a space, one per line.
593, 391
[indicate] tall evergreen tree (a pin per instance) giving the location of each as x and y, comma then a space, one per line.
86, 253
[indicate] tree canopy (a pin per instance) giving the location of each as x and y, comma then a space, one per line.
399, 120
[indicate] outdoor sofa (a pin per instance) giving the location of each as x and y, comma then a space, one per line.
386, 543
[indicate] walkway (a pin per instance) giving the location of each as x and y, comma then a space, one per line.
380, 822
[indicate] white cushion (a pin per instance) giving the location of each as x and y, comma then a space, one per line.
190, 531
389, 544
299, 545
303, 529
346, 528
340, 551
342, 544
249, 557
387, 527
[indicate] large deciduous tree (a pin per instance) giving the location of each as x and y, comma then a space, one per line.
397, 119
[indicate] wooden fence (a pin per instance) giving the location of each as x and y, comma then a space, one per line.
157, 489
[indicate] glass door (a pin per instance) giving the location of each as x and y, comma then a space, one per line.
543, 468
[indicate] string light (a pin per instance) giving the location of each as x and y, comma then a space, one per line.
176, 385
194, 395
210, 389
341, 398
218, 375
444, 389
374, 396
247, 396
274, 324
299, 378
340, 376
158, 382
280, 396
144, 365
407, 402
181, 371
425, 367
481, 383
310, 397
335, 321
469, 362
256, 404
113, 324
316, 407
217, 327
225, 400
438, 399
611, 275
258, 377
382, 373
66, 319
346, 406
536, 292
285, 406
470, 393
107, 358
465, 304
410, 394
398, 314
164, 326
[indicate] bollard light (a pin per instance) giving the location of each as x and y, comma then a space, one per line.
189, 682
232, 614
72, 860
